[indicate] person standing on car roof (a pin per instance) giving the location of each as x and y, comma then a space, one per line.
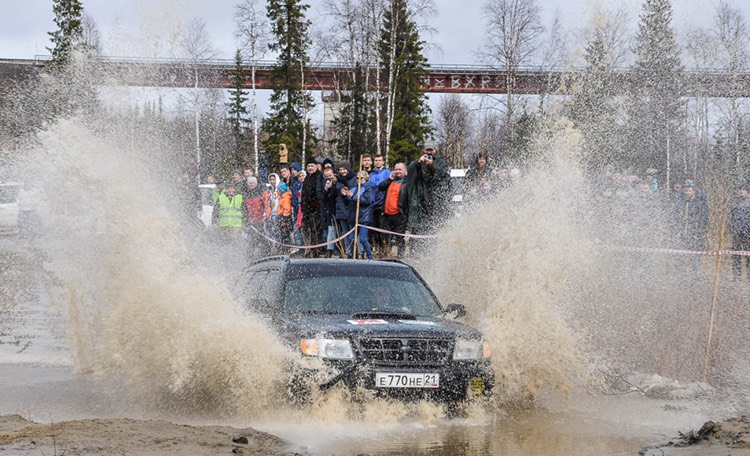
310, 205
394, 218
478, 179
238, 181
247, 173
428, 186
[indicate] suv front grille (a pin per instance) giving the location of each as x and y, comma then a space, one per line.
404, 351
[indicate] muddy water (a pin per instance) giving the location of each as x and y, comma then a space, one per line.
150, 327
591, 425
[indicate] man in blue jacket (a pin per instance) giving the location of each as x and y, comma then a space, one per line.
378, 175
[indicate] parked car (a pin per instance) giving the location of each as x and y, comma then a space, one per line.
458, 178
10, 207
207, 204
370, 324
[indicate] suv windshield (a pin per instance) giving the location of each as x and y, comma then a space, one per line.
357, 289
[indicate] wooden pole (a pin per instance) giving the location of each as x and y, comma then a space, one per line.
714, 298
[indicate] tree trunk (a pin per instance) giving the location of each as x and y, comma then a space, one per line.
197, 124
255, 116
304, 111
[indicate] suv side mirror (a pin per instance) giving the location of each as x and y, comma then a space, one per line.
457, 310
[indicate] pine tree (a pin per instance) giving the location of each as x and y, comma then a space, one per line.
69, 33
237, 110
592, 106
289, 101
354, 127
407, 118
656, 114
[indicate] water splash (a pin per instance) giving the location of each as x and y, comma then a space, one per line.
144, 313
510, 259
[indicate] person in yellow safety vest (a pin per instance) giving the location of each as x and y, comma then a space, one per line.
227, 214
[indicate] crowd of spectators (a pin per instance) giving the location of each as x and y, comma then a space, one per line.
636, 211
308, 211
316, 211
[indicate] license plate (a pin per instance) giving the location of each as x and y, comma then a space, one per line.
391, 380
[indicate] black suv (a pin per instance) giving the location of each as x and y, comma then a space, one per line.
371, 324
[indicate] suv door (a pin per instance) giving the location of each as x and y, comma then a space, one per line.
261, 290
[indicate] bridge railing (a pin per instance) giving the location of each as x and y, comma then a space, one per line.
332, 65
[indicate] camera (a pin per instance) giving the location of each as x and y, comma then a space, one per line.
328, 181
429, 156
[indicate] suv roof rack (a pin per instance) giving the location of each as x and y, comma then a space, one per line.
284, 258
393, 260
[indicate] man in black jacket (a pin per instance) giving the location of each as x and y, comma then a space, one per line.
310, 203
428, 184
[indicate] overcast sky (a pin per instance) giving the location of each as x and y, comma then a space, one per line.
149, 28
146, 27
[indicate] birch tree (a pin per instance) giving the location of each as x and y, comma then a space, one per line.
404, 65
454, 125
195, 45
514, 29
733, 37
287, 123
593, 106
352, 41
656, 109
252, 33
237, 110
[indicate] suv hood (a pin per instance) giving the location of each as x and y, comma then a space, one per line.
388, 325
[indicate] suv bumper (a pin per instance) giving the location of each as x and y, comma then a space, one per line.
457, 380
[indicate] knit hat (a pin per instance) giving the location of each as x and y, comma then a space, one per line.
328, 160
295, 166
345, 164
310, 160
252, 180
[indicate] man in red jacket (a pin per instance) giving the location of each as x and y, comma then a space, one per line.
394, 218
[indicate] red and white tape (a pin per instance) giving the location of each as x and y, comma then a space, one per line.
417, 236
678, 251
325, 244
618, 248
316, 246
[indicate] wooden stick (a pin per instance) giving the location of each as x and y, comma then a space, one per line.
714, 298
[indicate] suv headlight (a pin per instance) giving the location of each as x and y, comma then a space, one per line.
327, 348
471, 349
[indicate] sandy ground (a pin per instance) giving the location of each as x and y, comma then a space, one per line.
730, 437
21, 437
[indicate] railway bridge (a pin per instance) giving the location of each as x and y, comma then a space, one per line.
473, 79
